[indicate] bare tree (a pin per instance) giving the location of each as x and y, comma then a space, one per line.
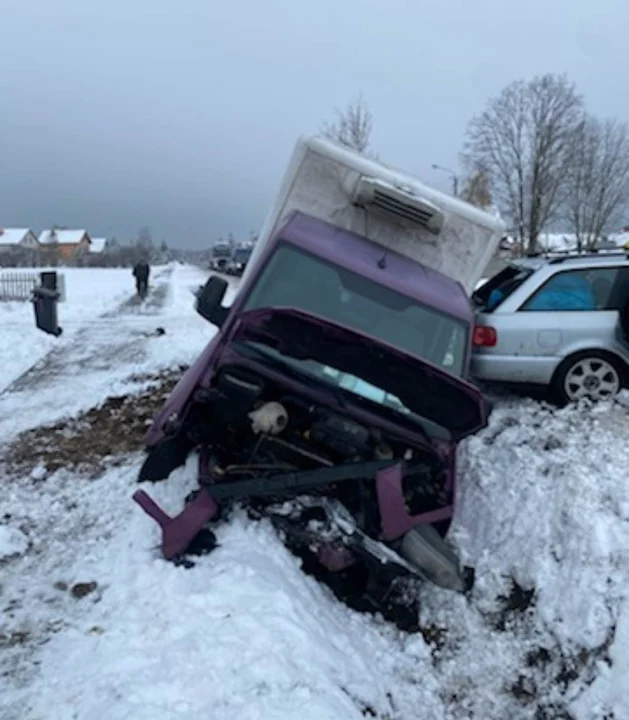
598, 180
524, 140
352, 127
144, 240
52, 252
476, 189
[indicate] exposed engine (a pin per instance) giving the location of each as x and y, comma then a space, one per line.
339, 491
254, 429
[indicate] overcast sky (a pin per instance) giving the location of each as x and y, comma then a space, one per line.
181, 114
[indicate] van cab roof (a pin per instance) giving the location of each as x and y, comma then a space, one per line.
354, 252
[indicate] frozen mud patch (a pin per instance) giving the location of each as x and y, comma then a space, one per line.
95, 439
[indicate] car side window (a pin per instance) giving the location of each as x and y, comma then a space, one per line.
575, 290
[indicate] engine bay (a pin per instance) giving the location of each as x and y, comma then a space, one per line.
249, 427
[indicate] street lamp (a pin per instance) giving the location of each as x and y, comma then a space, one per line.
455, 178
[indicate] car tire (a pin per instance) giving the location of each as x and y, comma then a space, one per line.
592, 373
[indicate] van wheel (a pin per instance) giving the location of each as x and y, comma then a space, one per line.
592, 373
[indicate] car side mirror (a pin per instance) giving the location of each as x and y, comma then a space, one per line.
209, 301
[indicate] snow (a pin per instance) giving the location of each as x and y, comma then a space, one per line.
97, 625
562, 242
89, 293
12, 542
97, 245
63, 237
12, 236
100, 324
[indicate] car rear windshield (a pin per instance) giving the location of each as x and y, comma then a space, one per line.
497, 289
296, 279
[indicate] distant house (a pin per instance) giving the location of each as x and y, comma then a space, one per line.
67, 245
18, 246
98, 246
12, 239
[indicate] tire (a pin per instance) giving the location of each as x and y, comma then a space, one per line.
596, 374
163, 458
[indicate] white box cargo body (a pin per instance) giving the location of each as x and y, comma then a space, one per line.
397, 211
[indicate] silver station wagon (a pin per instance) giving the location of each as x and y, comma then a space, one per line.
559, 322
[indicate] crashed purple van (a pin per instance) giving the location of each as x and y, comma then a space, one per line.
331, 400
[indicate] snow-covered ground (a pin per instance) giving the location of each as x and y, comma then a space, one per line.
108, 338
89, 293
96, 626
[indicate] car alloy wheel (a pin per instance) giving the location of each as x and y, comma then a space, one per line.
593, 377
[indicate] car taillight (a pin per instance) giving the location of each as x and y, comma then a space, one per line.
485, 336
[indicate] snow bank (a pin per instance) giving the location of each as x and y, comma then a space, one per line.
242, 634
543, 518
544, 502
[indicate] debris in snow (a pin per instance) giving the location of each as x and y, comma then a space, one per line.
158, 332
80, 590
13, 542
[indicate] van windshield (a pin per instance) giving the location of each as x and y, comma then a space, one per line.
293, 278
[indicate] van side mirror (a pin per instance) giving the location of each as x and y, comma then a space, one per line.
209, 301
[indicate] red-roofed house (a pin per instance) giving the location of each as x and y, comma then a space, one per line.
68, 245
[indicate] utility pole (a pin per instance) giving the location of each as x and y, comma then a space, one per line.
453, 175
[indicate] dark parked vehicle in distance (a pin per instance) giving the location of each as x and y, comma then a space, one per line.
238, 261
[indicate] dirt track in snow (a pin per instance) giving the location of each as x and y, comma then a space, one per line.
99, 344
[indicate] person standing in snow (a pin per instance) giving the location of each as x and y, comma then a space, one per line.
141, 273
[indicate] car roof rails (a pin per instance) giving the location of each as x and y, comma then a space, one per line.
556, 260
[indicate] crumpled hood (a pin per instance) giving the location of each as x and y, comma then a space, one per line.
423, 388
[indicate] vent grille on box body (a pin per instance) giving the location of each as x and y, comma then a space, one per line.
374, 195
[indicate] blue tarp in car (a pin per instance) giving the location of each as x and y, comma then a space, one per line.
570, 291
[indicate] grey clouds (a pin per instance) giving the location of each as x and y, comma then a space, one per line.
181, 114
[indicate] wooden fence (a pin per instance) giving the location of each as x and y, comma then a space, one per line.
17, 286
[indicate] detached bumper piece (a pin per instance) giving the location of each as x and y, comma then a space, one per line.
178, 532
413, 546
